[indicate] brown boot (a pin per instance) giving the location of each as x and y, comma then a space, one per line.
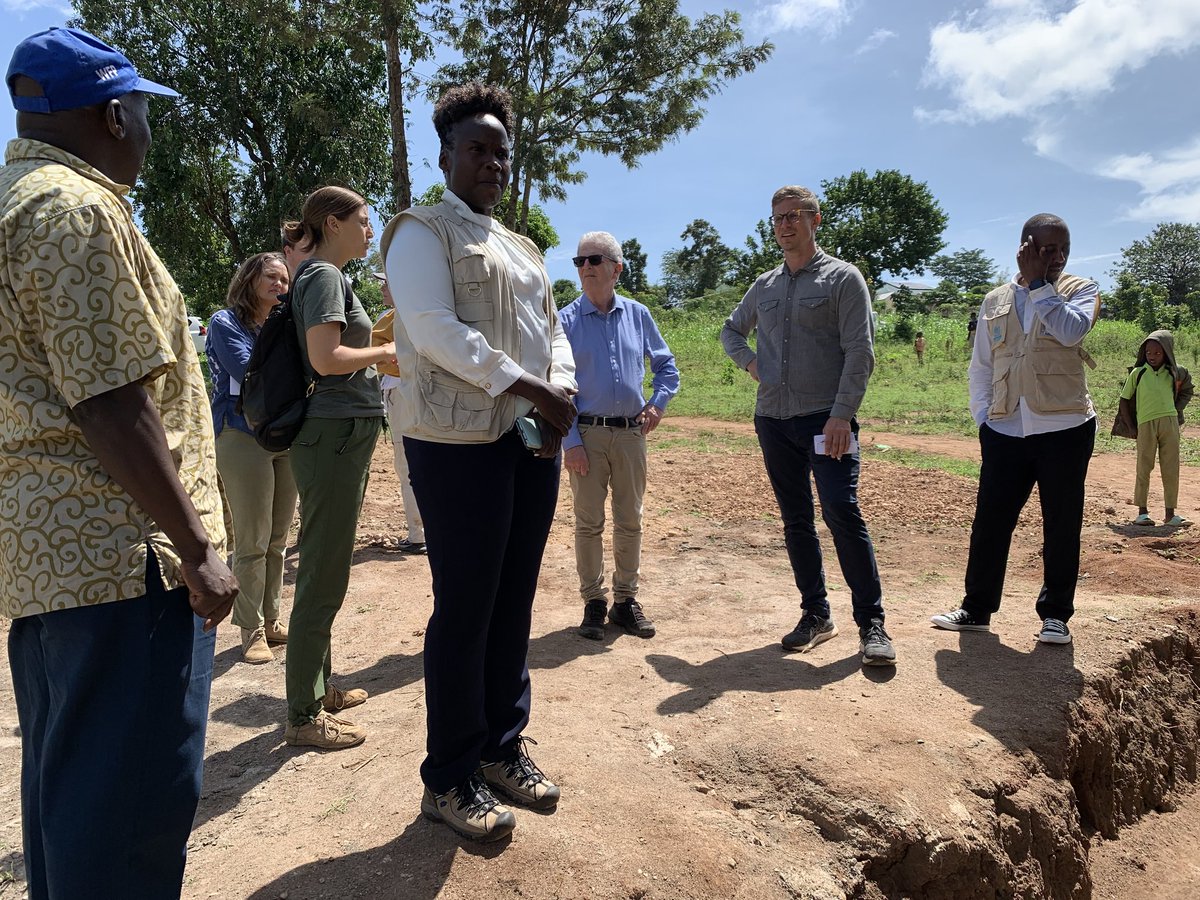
336, 700
325, 732
276, 631
254, 646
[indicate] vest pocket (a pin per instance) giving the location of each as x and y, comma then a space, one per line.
1001, 384
1058, 386
454, 404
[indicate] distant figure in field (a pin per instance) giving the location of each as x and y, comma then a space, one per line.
1037, 426
612, 337
972, 326
814, 357
1157, 389
919, 347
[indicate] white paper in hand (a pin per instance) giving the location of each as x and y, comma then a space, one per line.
819, 444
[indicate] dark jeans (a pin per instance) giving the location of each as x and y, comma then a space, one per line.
1057, 462
487, 509
113, 703
787, 448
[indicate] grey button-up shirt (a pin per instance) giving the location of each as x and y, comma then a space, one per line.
815, 338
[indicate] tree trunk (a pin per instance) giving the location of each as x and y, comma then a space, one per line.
401, 183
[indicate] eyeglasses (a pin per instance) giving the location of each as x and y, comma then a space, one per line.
594, 259
792, 217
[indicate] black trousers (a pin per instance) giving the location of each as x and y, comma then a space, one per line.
488, 510
1057, 462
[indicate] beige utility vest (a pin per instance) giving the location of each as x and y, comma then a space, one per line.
438, 405
1034, 367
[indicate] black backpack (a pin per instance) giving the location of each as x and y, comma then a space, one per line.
276, 386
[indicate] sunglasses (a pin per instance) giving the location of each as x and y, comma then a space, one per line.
594, 259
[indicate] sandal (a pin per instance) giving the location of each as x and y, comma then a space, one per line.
1142, 519
1176, 521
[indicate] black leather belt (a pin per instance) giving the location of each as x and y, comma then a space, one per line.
610, 421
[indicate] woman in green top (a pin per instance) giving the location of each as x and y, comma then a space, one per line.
330, 456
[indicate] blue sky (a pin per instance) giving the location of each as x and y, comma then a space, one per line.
1084, 108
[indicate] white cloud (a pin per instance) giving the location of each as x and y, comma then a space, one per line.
23, 6
1169, 182
1022, 57
824, 16
877, 38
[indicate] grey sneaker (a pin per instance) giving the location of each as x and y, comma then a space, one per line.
1054, 631
960, 620
809, 631
471, 809
628, 614
592, 626
876, 645
519, 778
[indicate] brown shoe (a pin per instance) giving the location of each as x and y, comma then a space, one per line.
471, 809
519, 779
325, 732
275, 631
254, 646
336, 700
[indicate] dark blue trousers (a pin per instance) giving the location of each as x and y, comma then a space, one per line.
1057, 462
792, 464
113, 703
487, 511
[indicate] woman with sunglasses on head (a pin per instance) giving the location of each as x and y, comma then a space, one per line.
485, 403
259, 489
330, 456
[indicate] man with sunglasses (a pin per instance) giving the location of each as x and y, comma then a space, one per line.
814, 357
611, 338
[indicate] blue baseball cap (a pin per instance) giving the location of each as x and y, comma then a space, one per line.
74, 69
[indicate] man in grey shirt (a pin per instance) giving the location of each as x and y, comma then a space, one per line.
813, 316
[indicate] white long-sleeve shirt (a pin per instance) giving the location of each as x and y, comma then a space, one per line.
1067, 321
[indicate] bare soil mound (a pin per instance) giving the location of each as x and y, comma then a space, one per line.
709, 763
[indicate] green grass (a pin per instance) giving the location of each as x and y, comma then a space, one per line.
916, 459
902, 396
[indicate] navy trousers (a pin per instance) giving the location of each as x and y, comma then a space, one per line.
1057, 462
792, 465
488, 510
113, 703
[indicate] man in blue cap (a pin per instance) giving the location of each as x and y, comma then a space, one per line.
112, 544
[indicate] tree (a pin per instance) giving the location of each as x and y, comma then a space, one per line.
884, 222
633, 275
945, 293
1168, 258
703, 262
275, 103
965, 268
565, 290
762, 254
606, 76
540, 231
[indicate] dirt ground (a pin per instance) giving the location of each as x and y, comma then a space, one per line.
709, 763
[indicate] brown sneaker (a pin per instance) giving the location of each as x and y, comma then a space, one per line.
254, 646
335, 700
275, 631
325, 732
471, 809
519, 779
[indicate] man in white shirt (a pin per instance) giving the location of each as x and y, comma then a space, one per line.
1037, 426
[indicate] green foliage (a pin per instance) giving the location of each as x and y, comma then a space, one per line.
279, 97
762, 254
964, 268
603, 76
369, 292
884, 222
946, 293
633, 278
1168, 258
540, 231
565, 290
704, 261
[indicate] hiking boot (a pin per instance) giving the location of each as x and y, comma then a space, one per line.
961, 620
471, 809
254, 646
876, 645
1054, 631
628, 614
335, 700
325, 732
809, 631
592, 626
275, 631
519, 779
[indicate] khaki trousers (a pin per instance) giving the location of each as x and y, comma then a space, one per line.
616, 459
261, 494
1159, 435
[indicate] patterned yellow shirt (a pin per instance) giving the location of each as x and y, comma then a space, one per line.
86, 306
